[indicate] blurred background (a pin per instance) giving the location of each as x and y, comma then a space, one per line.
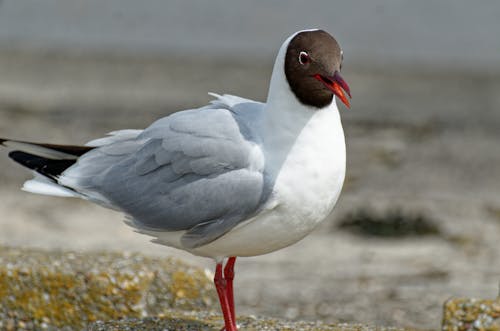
419, 218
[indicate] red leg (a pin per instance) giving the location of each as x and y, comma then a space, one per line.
221, 286
229, 276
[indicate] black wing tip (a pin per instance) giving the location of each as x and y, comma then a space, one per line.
24, 159
47, 167
17, 155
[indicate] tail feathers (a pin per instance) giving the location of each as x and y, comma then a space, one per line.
47, 161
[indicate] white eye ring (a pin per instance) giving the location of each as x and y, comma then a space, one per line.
304, 58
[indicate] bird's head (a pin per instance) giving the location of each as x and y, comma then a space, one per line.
313, 61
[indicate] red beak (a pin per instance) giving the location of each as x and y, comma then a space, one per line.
337, 85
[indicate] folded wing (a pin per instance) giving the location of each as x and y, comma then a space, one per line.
199, 170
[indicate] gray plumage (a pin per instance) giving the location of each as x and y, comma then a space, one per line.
202, 174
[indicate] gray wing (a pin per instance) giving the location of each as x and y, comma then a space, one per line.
198, 170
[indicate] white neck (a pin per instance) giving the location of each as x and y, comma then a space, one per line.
284, 116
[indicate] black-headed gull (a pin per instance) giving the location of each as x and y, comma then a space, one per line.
234, 178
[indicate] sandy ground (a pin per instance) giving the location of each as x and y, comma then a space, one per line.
423, 143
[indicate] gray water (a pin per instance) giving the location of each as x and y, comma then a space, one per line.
450, 33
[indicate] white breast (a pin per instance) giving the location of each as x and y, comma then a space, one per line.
311, 178
306, 189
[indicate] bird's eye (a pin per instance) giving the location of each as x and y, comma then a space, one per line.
304, 58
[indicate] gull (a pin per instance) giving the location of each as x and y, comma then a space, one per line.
231, 179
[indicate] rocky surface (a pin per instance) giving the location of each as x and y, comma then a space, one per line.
471, 314
102, 291
108, 291
68, 290
200, 321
